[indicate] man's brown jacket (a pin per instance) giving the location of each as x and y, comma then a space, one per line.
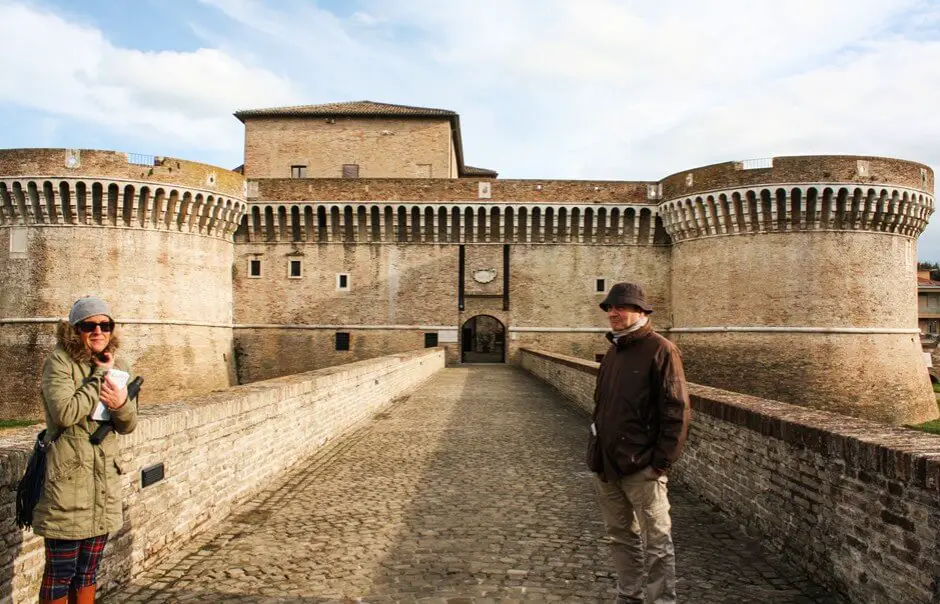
641, 404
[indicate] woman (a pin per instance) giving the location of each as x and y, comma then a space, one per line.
81, 499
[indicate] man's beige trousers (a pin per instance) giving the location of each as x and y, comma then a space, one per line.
636, 512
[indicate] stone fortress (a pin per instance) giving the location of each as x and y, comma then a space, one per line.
357, 230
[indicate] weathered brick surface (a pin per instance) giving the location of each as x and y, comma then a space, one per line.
855, 503
550, 286
767, 281
382, 147
218, 449
114, 165
804, 168
464, 189
144, 275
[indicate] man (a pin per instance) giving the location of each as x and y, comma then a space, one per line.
641, 419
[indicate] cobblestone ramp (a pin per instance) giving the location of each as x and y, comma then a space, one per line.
471, 490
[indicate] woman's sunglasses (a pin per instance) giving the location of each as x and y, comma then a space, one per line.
89, 326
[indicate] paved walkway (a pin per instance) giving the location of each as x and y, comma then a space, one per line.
472, 490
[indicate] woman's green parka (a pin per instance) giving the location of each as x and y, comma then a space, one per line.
82, 493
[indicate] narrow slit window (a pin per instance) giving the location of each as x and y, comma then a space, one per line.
298, 171
600, 285
342, 281
295, 269
254, 268
342, 340
430, 340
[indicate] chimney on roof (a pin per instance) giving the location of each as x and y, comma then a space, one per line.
923, 275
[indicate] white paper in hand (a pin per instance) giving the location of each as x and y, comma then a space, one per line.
119, 378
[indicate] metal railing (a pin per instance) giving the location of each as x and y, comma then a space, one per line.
756, 164
139, 159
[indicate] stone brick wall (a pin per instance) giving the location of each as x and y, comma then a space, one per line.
855, 503
174, 288
865, 365
218, 449
286, 325
381, 147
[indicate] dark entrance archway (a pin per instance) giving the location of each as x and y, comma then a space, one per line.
483, 340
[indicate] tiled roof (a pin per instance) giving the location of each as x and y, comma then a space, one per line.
921, 282
351, 108
471, 171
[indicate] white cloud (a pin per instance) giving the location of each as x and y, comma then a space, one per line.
71, 70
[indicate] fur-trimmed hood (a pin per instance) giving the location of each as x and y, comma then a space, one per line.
69, 339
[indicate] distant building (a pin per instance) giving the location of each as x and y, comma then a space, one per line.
928, 303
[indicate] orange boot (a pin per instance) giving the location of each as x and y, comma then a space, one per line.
62, 600
85, 595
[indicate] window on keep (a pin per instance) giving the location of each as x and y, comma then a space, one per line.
342, 340
600, 285
350, 170
430, 340
298, 171
294, 269
254, 267
342, 281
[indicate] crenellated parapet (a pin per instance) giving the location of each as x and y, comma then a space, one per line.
63, 187
794, 194
453, 223
796, 208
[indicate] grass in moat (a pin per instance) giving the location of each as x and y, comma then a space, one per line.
933, 427
6, 424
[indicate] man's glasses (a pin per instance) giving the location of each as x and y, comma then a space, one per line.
89, 326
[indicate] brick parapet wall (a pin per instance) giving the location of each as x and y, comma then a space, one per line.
218, 450
458, 189
116, 165
864, 170
855, 503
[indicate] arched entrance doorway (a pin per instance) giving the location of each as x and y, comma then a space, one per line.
482, 340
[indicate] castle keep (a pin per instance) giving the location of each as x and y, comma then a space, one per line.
355, 230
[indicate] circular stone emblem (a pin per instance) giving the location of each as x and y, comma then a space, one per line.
485, 275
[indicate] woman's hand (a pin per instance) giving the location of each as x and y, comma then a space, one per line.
104, 359
112, 396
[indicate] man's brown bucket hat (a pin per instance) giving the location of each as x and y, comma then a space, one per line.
623, 294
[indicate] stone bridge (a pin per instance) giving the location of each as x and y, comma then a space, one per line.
399, 480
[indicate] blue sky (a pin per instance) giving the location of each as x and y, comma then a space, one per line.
604, 89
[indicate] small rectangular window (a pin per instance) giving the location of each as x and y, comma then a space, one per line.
18, 242
600, 286
295, 269
350, 170
342, 340
342, 281
254, 268
430, 340
298, 171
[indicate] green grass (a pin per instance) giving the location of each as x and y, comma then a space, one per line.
18, 423
933, 426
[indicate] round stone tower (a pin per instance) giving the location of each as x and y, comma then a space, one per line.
151, 235
794, 279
